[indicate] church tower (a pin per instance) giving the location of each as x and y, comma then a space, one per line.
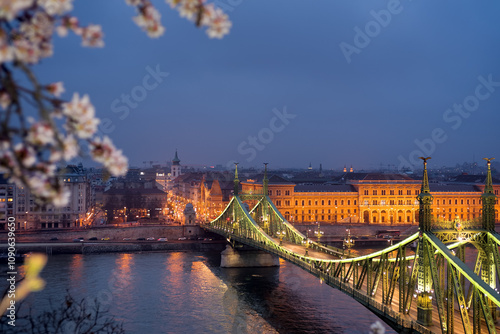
176, 167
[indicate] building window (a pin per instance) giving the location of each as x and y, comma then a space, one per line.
354, 202
287, 192
417, 192
278, 203
383, 192
400, 192
391, 202
309, 202
329, 202
374, 202
278, 192
456, 202
366, 192
408, 192
391, 192
374, 192
341, 202
496, 191
449, 201
348, 202
322, 202
296, 203
270, 192
335, 202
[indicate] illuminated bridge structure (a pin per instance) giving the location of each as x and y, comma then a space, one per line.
427, 289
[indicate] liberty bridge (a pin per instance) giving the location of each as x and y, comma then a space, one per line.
426, 290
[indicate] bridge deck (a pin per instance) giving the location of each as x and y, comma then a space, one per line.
435, 328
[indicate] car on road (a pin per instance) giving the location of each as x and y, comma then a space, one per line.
182, 238
139, 239
93, 238
364, 238
387, 236
162, 239
150, 239
53, 239
105, 239
78, 240
126, 239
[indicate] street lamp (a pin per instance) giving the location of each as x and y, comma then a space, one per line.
307, 242
319, 233
281, 235
348, 241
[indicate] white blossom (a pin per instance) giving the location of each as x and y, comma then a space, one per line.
40, 134
218, 23
4, 100
71, 148
189, 8
56, 7
61, 197
26, 154
25, 51
92, 36
56, 88
38, 29
79, 108
84, 129
133, 2
10, 8
69, 23
149, 20
80, 113
103, 151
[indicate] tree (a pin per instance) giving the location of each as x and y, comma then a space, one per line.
71, 316
41, 132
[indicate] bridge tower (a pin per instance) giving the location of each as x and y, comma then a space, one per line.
236, 180
265, 207
424, 276
488, 199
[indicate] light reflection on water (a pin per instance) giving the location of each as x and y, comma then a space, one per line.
187, 292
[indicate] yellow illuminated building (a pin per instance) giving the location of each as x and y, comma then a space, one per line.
370, 198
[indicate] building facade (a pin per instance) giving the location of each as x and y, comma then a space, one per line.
30, 215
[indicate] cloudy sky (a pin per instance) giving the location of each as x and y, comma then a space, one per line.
359, 83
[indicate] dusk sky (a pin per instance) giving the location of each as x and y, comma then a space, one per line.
372, 103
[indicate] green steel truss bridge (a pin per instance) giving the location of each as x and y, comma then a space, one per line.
427, 289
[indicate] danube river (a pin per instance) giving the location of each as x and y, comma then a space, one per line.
187, 292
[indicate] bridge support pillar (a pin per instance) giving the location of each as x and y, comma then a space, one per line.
245, 258
424, 309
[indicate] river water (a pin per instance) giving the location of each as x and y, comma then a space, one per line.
187, 292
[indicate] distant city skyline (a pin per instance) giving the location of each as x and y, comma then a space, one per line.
352, 83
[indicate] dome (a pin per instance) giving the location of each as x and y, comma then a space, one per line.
189, 208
